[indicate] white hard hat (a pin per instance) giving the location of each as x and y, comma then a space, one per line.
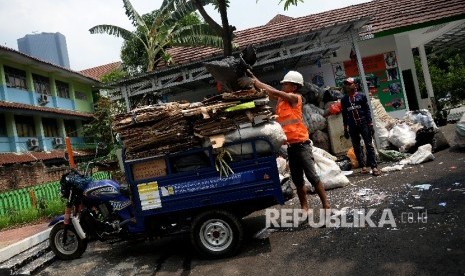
294, 77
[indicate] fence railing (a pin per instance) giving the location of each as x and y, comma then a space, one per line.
30, 197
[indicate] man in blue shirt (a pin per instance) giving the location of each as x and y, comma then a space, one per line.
357, 120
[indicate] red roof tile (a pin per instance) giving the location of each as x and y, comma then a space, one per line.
278, 19
9, 105
32, 156
98, 72
385, 15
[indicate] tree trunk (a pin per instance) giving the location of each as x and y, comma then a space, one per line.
226, 31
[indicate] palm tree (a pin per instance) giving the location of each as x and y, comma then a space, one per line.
166, 30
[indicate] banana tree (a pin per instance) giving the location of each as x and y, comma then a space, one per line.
166, 30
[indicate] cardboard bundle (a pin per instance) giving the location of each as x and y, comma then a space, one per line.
173, 127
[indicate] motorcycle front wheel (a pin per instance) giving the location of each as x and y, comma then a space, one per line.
74, 247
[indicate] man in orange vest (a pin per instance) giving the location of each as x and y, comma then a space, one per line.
299, 150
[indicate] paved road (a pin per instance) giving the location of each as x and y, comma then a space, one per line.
428, 241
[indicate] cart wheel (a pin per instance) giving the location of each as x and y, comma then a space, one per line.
217, 234
74, 246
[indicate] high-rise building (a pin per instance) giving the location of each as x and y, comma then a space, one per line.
49, 47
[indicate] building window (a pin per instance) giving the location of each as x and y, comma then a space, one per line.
70, 128
50, 127
62, 89
3, 131
15, 78
80, 95
25, 126
41, 84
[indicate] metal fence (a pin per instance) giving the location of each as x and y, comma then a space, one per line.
27, 198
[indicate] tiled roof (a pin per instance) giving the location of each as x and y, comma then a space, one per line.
99, 71
33, 156
9, 105
385, 15
278, 19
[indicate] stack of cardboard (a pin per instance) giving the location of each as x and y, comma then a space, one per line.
173, 127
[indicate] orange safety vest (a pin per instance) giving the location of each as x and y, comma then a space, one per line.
291, 120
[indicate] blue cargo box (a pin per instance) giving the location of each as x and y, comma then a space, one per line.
189, 181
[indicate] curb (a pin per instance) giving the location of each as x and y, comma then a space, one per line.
23, 245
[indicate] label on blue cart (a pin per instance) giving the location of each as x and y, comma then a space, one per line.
149, 195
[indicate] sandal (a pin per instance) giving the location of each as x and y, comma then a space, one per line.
364, 170
376, 172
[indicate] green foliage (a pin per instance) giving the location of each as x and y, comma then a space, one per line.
23, 216
447, 70
54, 207
4, 222
114, 76
156, 32
287, 3
100, 126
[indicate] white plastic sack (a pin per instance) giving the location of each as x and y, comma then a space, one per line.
282, 165
383, 134
423, 154
329, 172
422, 117
402, 137
460, 132
272, 130
323, 152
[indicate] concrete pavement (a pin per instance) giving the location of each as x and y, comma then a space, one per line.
15, 241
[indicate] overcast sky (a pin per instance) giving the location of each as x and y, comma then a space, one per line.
74, 18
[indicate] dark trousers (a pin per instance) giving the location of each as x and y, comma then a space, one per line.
364, 131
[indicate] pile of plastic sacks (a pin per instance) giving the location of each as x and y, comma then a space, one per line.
415, 129
319, 103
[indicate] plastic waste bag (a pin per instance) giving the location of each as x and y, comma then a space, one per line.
383, 134
329, 172
460, 132
286, 187
320, 139
422, 116
402, 137
353, 158
423, 154
311, 93
227, 71
314, 121
272, 130
331, 96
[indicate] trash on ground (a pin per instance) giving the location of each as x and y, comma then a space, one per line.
364, 192
392, 168
264, 233
418, 207
423, 154
443, 204
416, 196
423, 187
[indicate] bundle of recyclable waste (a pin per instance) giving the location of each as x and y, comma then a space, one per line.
173, 127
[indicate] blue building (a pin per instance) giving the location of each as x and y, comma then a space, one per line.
49, 47
40, 104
